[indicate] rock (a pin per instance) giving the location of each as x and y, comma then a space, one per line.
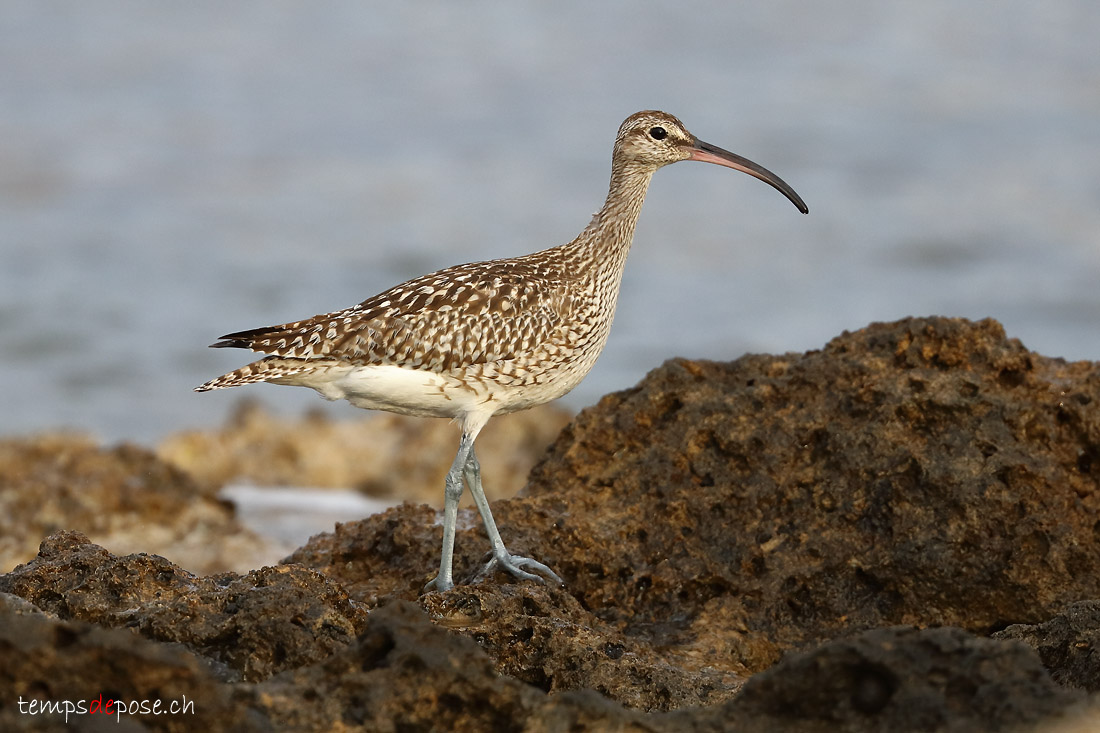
406, 673
927, 472
538, 635
901, 679
403, 673
254, 625
384, 455
733, 536
124, 497
46, 661
396, 552
1068, 644
545, 638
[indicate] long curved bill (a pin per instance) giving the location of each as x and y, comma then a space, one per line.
707, 153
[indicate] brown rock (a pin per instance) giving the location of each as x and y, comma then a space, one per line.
710, 522
402, 671
406, 673
895, 679
396, 552
1068, 644
385, 455
256, 625
538, 635
124, 497
925, 472
46, 661
545, 638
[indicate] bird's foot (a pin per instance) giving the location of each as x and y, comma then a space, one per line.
514, 564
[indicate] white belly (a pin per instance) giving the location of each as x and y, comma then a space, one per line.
481, 390
393, 389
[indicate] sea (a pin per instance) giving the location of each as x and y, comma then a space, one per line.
170, 172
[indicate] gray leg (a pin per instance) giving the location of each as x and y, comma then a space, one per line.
501, 557
451, 494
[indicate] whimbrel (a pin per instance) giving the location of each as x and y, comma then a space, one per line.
486, 338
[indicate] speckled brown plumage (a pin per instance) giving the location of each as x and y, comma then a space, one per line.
484, 312
476, 340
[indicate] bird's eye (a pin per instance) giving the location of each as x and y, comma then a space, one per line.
658, 133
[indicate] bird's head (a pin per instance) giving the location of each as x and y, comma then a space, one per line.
653, 138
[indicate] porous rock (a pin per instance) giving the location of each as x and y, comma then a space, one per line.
928, 472
718, 522
86, 669
1068, 644
122, 496
254, 625
905, 679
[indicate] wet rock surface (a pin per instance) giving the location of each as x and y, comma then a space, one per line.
808, 542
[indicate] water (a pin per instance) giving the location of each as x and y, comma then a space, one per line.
287, 516
171, 172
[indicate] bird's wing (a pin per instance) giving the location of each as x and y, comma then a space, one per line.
464, 315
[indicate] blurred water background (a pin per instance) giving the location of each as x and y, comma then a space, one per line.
173, 171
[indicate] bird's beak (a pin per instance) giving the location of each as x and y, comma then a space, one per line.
708, 153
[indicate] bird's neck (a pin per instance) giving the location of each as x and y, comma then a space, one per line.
602, 247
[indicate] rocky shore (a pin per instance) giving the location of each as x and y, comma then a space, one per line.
900, 531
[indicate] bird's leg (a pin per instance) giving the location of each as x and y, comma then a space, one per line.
451, 494
514, 564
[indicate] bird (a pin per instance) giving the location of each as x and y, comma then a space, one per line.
486, 338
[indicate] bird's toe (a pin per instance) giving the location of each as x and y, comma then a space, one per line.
515, 565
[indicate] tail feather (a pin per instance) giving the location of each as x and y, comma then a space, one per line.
264, 370
247, 339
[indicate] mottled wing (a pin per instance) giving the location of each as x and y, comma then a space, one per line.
469, 314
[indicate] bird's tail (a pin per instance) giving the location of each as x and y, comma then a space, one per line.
265, 370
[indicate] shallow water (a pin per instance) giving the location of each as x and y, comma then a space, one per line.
170, 173
286, 517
